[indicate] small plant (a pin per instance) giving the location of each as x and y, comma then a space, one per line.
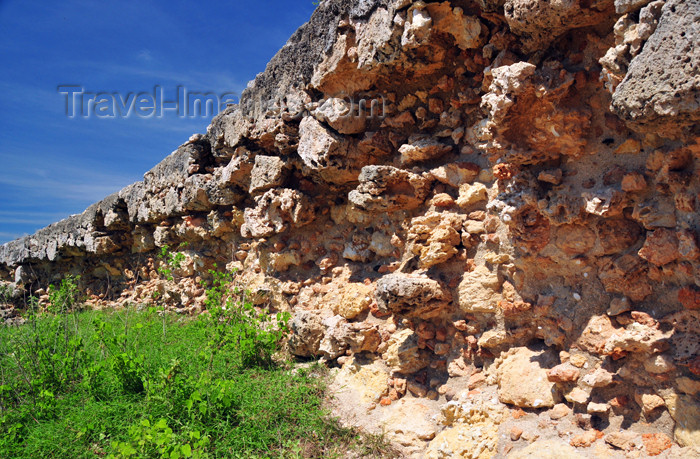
148, 439
66, 296
44, 358
32, 306
6, 292
237, 326
171, 261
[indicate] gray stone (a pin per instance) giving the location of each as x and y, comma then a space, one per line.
414, 295
661, 87
307, 332
293, 66
238, 170
362, 8
627, 6
275, 211
326, 153
267, 173
336, 337
226, 132
539, 23
22, 275
386, 189
173, 170
342, 115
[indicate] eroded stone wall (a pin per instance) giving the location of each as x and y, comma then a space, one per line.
504, 253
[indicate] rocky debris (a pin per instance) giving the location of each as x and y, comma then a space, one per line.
340, 114
515, 433
523, 381
417, 28
402, 353
413, 295
330, 155
9, 315
648, 401
275, 212
636, 338
471, 194
559, 411
523, 100
335, 339
465, 30
689, 297
619, 306
388, 189
563, 373
685, 411
577, 395
538, 24
586, 439
575, 239
660, 247
598, 408
472, 423
684, 340
598, 378
456, 174
546, 449
688, 385
268, 172
659, 364
308, 332
434, 238
479, 291
368, 381
622, 440
449, 197
471, 440
352, 300
628, 6
625, 275
656, 443
419, 150
409, 424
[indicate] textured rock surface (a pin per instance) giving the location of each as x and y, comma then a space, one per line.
548, 449
523, 380
661, 87
480, 210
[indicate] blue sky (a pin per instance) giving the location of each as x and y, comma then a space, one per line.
52, 166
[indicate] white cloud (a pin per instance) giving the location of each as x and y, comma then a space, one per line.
144, 55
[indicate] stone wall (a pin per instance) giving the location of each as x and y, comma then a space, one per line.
505, 252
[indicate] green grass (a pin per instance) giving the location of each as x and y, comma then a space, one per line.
139, 384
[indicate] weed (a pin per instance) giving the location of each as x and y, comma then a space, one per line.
66, 297
171, 261
6, 292
111, 384
237, 328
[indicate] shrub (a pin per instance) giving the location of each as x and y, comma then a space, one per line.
237, 328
